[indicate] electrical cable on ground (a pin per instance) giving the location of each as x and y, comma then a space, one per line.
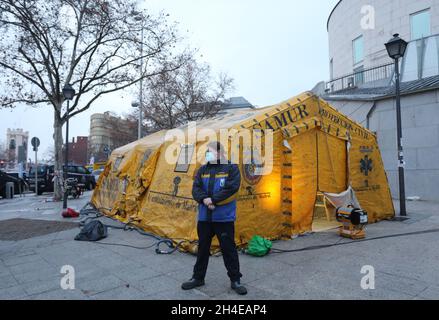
129, 227
170, 242
126, 245
276, 250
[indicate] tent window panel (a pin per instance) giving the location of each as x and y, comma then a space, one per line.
184, 159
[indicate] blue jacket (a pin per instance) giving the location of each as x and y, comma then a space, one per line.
221, 183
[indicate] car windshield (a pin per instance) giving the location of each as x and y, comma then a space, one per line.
41, 170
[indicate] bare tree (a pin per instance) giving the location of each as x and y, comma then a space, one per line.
49, 155
123, 131
189, 93
94, 45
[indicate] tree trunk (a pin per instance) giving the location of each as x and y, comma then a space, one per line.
58, 148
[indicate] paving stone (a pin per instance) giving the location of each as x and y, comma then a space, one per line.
40, 275
135, 275
16, 260
93, 285
399, 284
7, 281
121, 293
60, 295
12, 293
31, 267
158, 284
431, 293
42, 286
253, 293
179, 294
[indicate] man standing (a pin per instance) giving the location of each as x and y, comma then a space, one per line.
215, 188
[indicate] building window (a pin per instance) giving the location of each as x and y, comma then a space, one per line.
358, 49
420, 24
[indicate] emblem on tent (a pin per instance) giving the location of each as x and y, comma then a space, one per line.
177, 181
251, 173
366, 165
252, 167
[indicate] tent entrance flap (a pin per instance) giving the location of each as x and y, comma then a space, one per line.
318, 164
332, 168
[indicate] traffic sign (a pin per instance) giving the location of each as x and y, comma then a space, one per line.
35, 143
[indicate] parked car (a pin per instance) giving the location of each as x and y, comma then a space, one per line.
4, 178
46, 174
83, 175
45, 177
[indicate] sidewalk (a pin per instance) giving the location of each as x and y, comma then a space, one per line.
405, 267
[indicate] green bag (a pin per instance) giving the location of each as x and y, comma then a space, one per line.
259, 246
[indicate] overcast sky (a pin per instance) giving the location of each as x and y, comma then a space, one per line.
274, 49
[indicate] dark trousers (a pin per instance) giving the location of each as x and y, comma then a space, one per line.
225, 232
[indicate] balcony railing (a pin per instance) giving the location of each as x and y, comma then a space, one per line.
371, 78
421, 61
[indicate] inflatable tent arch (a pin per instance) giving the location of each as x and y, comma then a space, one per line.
316, 149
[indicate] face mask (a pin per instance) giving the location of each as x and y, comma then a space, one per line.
210, 157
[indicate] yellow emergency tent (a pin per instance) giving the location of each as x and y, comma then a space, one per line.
315, 149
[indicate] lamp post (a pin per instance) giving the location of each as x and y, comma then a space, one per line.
68, 93
396, 48
136, 104
138, 16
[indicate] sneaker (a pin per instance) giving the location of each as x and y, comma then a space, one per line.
192, 284
239, 288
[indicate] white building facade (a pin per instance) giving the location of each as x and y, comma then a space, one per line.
358, 30
362, 82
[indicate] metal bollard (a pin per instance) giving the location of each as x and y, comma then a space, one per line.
9, 190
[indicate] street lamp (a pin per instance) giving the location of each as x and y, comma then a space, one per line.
136, 104
138, 16
396, 48
68, 93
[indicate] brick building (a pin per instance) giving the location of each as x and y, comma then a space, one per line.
78, 151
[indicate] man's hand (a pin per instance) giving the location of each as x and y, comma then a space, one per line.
211, 207
208, 202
